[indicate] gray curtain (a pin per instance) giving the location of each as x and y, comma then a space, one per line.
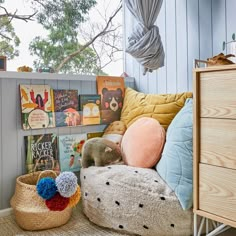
144, 43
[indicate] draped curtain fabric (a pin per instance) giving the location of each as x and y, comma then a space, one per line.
144, 43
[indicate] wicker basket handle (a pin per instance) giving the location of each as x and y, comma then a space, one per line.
47, 173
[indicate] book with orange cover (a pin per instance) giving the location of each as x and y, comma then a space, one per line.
37, 108
111, 89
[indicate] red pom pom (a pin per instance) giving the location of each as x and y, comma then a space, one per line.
57, 203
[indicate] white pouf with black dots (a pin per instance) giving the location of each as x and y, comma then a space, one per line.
133, 200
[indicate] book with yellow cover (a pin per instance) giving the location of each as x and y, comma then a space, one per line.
90, 106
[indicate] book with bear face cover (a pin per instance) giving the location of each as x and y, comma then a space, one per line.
111, 89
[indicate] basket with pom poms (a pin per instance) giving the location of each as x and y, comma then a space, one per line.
45, 199
61, 192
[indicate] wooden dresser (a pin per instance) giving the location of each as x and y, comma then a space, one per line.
215, 143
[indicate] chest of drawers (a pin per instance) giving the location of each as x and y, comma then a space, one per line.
214, 138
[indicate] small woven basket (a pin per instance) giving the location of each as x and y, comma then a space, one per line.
30, 210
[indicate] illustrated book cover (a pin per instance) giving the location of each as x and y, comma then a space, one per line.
37, 109
90, 106
70, 148
112, 91
66, 105
41, 152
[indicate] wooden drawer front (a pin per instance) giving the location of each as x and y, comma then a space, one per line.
218, 94
218, 142
217, 191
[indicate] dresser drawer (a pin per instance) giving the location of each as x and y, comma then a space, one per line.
218, 142
218, 94
217, 191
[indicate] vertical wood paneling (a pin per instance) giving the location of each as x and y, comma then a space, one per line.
152, 82
218, 25
143, 80
137, 72
12, 151
171, 45
186, 29
189, 30
128, 27
205, 26
161, 72
193, 36
9, 139
230, 21
181, 46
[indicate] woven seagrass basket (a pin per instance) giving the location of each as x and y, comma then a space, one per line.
29, 208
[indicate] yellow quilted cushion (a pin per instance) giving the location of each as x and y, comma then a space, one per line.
162, 107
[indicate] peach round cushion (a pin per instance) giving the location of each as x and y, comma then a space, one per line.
143, 142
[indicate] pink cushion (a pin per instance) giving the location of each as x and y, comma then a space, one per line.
143, 142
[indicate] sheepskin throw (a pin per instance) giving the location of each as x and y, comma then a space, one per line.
133, 200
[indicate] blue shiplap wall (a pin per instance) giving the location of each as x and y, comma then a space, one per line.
12, 152
190, 29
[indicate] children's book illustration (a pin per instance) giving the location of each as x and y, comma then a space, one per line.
90, 105
70, 148
37, 110
66, 107
41, 152
111, 90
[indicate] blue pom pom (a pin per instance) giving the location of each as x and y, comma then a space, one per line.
46, 188
66, 184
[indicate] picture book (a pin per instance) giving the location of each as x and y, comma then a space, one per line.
66, 105
94, 134
90, 106
112, 91
37, 109
70, 147
41, 152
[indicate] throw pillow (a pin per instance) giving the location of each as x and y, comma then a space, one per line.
176, 164
162, 107
143, 142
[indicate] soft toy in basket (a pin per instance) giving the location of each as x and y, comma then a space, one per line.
44, 199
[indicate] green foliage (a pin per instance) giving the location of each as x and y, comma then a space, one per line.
54, 13
8, 39
51, 53
61, 18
